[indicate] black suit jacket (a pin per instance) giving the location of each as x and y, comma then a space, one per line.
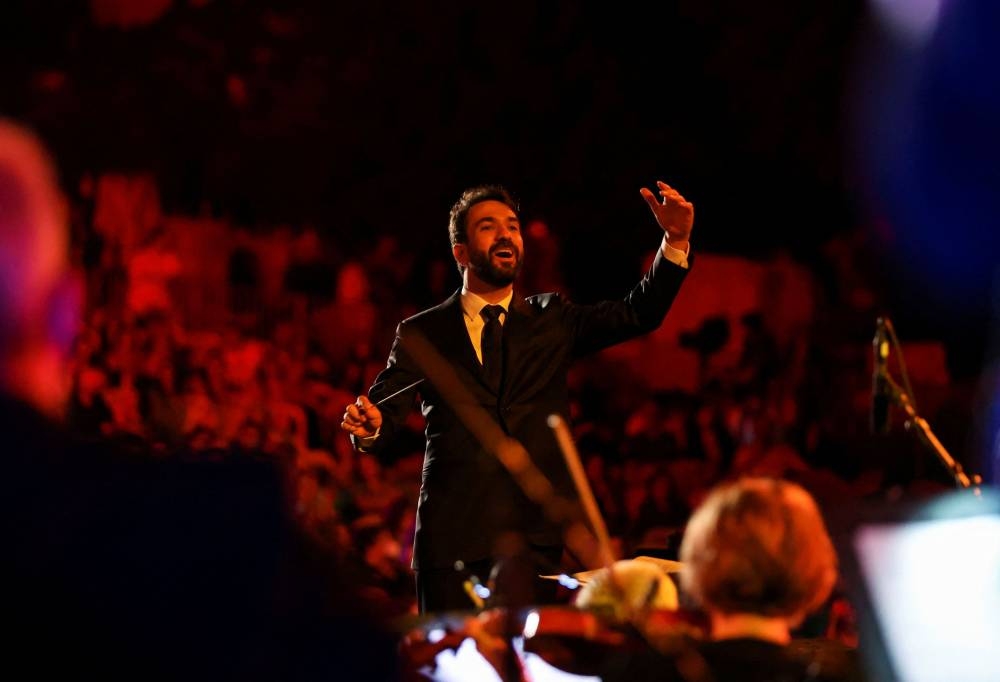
467, 497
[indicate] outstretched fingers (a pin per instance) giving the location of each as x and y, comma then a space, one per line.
673, 212
670, 195
650, 198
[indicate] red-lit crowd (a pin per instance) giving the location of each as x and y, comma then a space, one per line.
295, 334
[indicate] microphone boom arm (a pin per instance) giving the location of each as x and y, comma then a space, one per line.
914, 421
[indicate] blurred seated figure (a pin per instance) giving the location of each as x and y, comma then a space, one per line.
88, 413
199, 405
152, 268
757, 560
383, 581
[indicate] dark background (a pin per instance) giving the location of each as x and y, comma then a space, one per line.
373, 116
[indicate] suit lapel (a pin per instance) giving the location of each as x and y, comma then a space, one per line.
454, 340
516, 335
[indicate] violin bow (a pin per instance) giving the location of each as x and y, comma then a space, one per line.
572, 457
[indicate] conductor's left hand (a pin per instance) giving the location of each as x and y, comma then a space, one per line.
674, 213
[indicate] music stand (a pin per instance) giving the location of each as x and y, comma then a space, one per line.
924, 578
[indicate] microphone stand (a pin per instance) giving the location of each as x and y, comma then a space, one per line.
914, 421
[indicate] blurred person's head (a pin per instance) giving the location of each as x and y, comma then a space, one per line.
196, 383
369, 468
310, 481
90, 382
201, 438
39, 299
251, 435
758, 549
352, 283
87, 344
594, 466
376, 544
661, 489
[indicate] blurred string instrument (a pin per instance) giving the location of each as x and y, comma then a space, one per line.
574, 639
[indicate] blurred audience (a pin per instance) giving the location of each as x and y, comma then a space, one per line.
162, 367
267, 380
126, 562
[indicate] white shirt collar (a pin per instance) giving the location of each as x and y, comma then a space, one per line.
473, 303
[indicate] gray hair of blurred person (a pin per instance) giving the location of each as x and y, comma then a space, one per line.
758, 546
39, 296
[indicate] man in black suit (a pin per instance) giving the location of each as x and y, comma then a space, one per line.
483, 352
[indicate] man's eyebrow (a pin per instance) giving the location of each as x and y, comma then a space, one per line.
491, 219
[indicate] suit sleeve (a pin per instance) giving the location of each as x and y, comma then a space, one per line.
596, 327
399, 372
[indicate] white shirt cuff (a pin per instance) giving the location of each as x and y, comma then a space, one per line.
675, 256
368, 441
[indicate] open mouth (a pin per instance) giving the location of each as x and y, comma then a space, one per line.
505, 253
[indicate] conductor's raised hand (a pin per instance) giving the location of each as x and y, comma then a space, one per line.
674, 213
362, 418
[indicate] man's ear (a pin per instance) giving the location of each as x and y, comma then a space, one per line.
461, 254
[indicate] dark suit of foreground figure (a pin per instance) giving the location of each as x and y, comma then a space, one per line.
468, 499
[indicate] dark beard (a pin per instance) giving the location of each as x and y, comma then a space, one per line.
496, 275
